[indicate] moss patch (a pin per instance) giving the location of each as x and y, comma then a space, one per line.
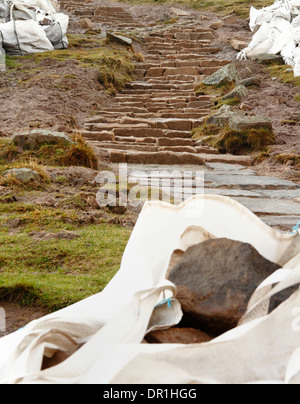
231, 141
285, 74
293, 159
218, 92
77, 154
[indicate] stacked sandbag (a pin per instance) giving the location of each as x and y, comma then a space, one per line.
276, 31
32, 26
2, 56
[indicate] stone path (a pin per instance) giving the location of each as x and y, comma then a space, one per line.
149, 125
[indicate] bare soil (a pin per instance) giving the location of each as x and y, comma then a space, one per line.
19, 316
58, 96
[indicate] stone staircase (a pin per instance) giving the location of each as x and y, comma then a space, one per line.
112, 16
152, 119
149, 124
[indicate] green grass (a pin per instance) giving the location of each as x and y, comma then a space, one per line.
240, 7
285, 74
56, 273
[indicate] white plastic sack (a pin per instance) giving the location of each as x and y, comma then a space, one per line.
24, 37
45, 5
21, 11
2, 56
111, 325
261, 43
57, 29
4, 10
282, 35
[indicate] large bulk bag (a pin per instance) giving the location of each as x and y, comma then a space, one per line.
56, 30
2, 56
277, 30
24, 37
45, 5
4, 10
103, 333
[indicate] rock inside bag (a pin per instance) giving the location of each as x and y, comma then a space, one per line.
215, 280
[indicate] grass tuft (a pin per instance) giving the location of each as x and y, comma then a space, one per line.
78, 153
231, 141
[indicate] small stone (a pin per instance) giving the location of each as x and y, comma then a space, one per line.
230, 19
222, 117
86, 23
238, 92
13, 223
217, 25
268, 59
226, 75
24, 175
245, 107
179, 12
123, 40
238, 45
35, 138
251, 82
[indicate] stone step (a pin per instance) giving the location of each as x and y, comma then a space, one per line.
100, 127
163, 157
225, 158
125, 147
99, 136
184, 115
142, 147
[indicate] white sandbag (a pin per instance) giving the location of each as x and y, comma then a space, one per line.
283, 37
45, 5
21, 11
281, 34
57, 29
2, 56
261, 42
24, 37
287, 53
112, 324
258, 17
296, 58
4, 10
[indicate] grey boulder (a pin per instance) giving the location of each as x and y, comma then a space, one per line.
36, 138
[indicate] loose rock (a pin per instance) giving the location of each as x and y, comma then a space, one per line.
215, 280
238, 92
123, 40
24, 175
34, 139
225, 75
